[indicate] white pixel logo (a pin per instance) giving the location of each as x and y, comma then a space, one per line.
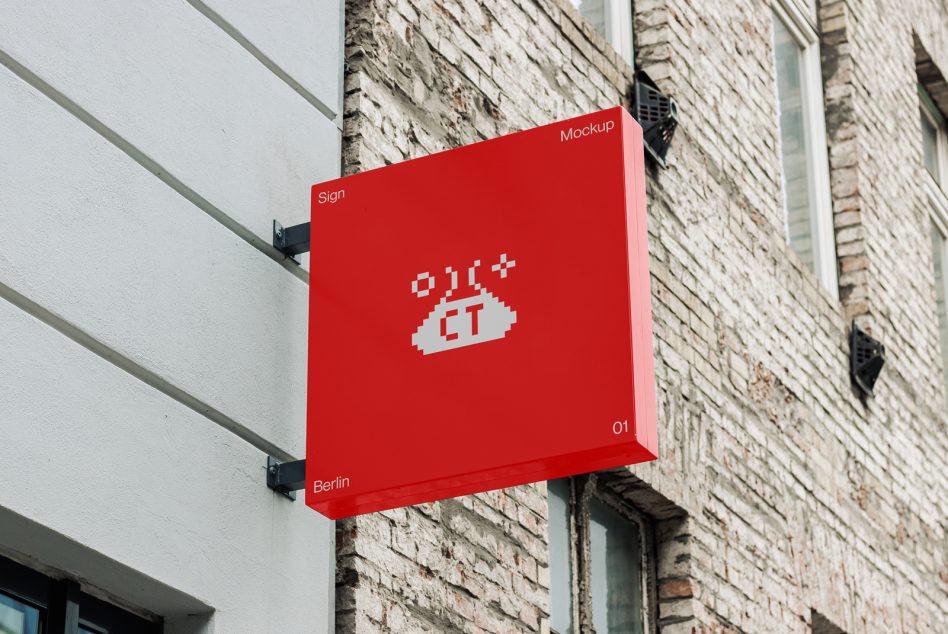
463, 322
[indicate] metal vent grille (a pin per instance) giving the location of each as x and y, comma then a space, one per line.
867, 356
657, 114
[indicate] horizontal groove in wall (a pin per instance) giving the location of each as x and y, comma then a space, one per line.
262, 57
152, 166
144, 375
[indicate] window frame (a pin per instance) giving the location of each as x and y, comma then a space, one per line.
939, 224
581, 490
936, 183
801, 25
30, 587
934, 186
805, 10
63, 604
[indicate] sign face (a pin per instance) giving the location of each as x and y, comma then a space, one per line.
481, 318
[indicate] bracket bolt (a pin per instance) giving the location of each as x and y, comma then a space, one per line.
279, 232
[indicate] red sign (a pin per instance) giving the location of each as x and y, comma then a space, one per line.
480, 318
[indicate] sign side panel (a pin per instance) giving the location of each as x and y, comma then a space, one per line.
642, 351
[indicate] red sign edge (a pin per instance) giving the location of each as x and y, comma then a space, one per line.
643, 370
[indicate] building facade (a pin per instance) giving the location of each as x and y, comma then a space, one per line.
152, 350
796, 200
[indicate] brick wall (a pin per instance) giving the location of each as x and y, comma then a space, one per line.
778, 493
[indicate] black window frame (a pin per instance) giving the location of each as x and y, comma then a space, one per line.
64, 607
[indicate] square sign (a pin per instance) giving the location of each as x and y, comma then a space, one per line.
480, 318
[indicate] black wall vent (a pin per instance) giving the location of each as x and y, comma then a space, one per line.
866, 358
657, 114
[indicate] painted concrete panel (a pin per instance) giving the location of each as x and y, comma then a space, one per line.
302, 37
137, 479
103, 244
185, 94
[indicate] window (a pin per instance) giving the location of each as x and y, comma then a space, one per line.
561, 565
930, 145
600, 560
808, 217
934, 141
615, 570
32, 603
613, 20
939, 257
17, 617
934, 153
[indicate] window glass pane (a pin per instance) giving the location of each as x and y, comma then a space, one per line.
930, 145
938, 255
622, 29
561, 572
17, 618
788, 56
615, 571
613, 20
595, 12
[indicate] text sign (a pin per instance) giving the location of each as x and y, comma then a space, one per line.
480, 318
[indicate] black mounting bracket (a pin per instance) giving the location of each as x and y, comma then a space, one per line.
286, 477
291, 241
866, 358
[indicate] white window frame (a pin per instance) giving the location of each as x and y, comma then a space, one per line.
939, 218
938, 211
934, 186
801, 24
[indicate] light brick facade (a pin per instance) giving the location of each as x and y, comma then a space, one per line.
782, 502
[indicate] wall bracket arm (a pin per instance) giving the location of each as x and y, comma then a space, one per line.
292, 240
286, 477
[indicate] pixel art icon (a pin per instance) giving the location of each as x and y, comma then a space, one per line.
480, 318
463, 321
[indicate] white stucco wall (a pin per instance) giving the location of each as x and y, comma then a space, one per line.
152, 343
